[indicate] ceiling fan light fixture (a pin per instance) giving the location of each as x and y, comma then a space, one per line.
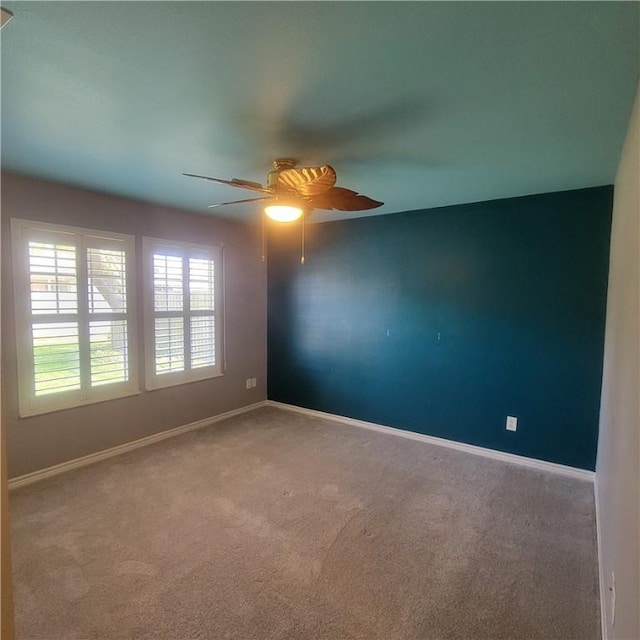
283, 212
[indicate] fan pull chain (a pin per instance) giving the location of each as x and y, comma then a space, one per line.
302, 252
264, 241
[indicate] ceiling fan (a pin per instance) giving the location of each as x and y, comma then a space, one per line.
292, 191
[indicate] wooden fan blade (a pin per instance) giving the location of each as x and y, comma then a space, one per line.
343, 200
243, 184
308, 181
222, 204
249, 184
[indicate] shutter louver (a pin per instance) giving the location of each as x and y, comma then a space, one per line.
203, 342
54, 299
109, 351
169, 345
107, 297
167, 283
53, 278
106, 270
56, 357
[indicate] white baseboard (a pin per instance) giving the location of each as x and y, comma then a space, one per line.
541, 465
601, 577
29, 478
35, 476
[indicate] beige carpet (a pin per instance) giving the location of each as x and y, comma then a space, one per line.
276, 525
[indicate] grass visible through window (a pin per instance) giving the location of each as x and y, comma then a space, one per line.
57, 367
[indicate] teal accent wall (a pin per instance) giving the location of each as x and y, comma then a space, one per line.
446, 321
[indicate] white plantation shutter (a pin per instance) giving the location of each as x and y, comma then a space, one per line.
203, 343
74, 325
183, 312
202, 305
107, 310
53, 288
168, 298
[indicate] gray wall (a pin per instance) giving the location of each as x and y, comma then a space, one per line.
41, 441
617, 475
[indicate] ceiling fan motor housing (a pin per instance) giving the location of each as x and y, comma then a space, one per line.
279, 164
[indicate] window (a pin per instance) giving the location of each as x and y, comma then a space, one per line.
183, 312
75, 326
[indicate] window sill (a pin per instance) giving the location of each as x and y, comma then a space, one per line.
165, 383
29, 413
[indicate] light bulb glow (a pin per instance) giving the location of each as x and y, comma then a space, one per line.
283, 212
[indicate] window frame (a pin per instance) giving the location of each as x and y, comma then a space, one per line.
29, 404
184, 250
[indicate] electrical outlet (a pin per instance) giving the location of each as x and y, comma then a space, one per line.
512, 423
248, 383
254, 382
